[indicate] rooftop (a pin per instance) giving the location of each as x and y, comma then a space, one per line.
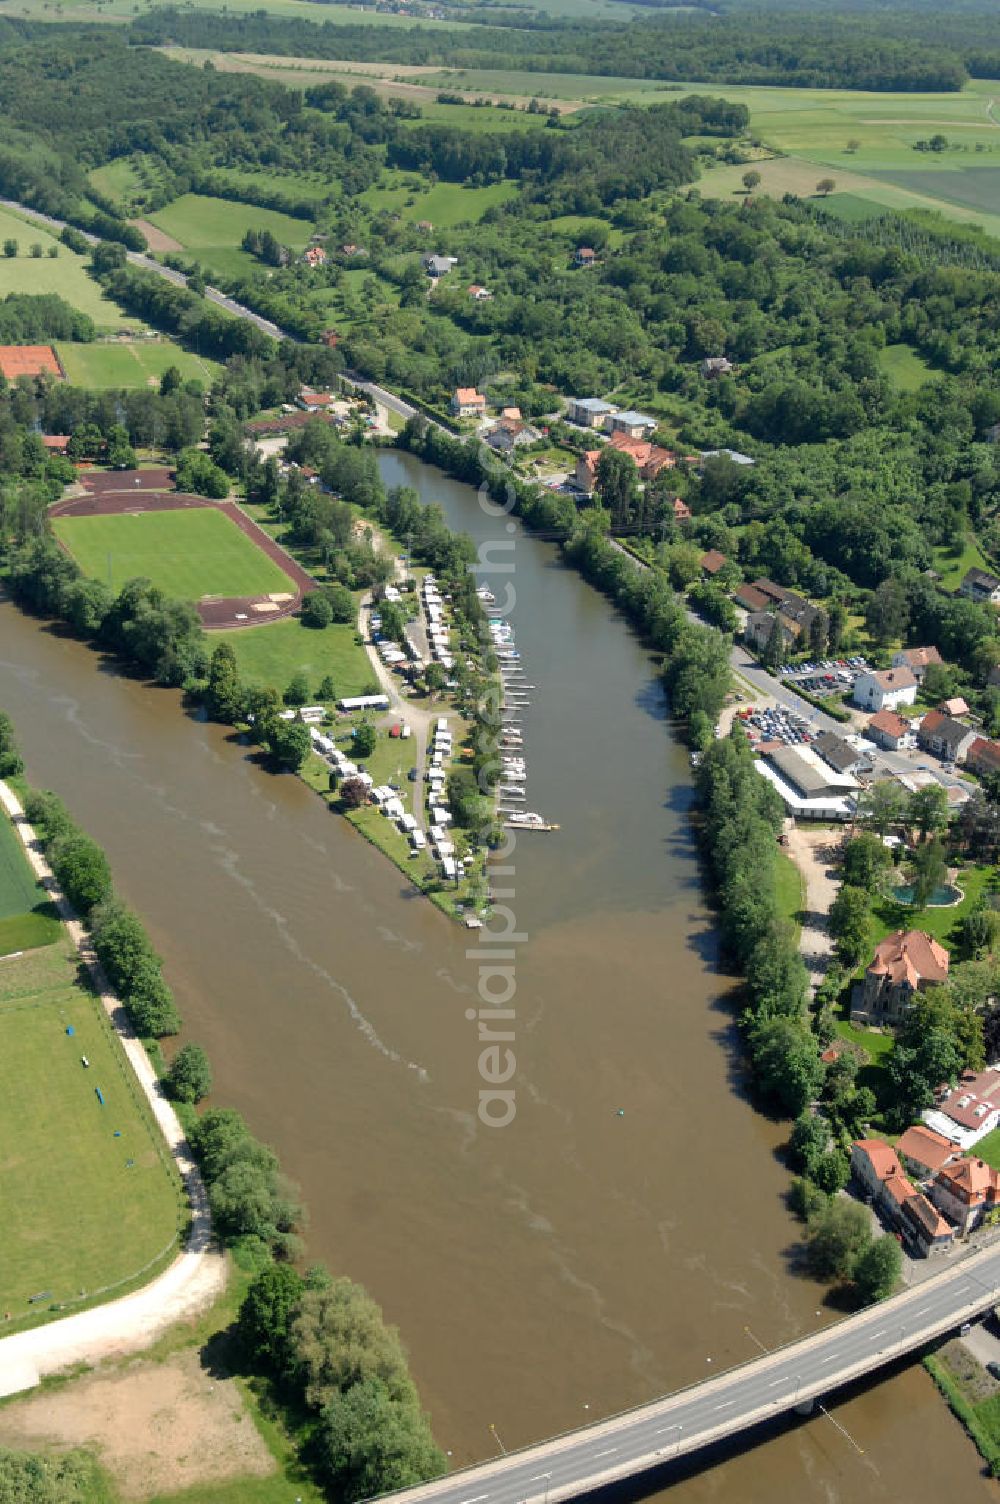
910, 956
894, 678
881, 1156
919, 657
973, 1099
925, 1147
971, 1180
712, 561
809, 773
889, 723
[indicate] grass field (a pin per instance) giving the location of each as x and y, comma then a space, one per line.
65, 274
189, 553
212, 229
445, 204
953, 567
904, 367
140, 363
274, 653
27, 920
84, 1210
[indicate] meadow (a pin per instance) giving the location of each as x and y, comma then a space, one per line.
274, 652
65, 274
142, 363
90, 1198
904, 367
445, 204
189, 553
211, 229
27, 919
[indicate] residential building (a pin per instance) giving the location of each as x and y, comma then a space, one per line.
314, 256
944, 736
681, 510
983, 757
884, 689
479, 294
712, 561
965, 1191
330, 338
955, 707
29, 360
750, 598
841, 756
315, 402
56, 443
759, 626
585, 475
649, 460
466, 402
888, 728
968, 1111
924, 1227
716, 365
978, 585
589, 412
917, 660
353, 250
584, 255
733, 455
904, 964
923, 1151
439, 266
872, 1163
511, 413
634, 425
510, 434
425, 226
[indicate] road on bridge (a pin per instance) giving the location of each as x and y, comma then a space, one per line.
685, 1423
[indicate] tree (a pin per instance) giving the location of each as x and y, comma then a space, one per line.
877, 1269
341, 603
837, 1239
809, 1141
288, 743
365, 737
883, 806
10, 248
316, 610
888, 611
865, 861
832, 1171
225, 695
928, 871
170, 381
190, 1075
297, 690
325, 689
819, 634
266, 1315
849, 924
370, 1443
81, 869
751, 180
774, 647
617, 485
36, 251
119, 453
341, 1340
853, 145
786, 1062
353, 792
825, 186
928, 810
199, 476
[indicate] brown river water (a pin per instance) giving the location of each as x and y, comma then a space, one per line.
577, 1261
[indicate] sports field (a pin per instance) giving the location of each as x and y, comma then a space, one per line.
274, 653
89, 1195
138, 363
65, 274
189, 553
26, 918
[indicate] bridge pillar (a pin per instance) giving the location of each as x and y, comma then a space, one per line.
805, 1407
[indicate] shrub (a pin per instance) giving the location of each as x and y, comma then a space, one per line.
190, 1075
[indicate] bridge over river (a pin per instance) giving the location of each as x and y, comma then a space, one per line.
682, 1424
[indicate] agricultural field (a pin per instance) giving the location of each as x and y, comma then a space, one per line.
445, 204
189, 553
90, 1198
140, 363
65, 274
27, 919
118, 179
314, 186
275, 652
211, 229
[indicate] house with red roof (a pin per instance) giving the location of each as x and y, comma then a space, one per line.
904, 964
466, 402
923, 1151
983, 756
965, 1191
968, 1111
888, 728
917, 660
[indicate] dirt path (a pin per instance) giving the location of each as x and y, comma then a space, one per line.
156, 239
194, 1279
814, 853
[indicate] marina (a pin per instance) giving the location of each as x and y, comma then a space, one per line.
510, 787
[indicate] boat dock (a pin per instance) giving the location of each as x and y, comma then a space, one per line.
515, 690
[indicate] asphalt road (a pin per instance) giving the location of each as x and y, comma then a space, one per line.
730, 1402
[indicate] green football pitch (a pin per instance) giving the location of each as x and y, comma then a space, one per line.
189, 553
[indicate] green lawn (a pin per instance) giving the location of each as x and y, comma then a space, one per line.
66, 274
85, 1211
953, 567
188, 553
988, 1148
904, 367
888, 916
275, 652
445, 205
213, 228
790, 890
27, 919
138, 363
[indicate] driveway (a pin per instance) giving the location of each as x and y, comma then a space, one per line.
814, 852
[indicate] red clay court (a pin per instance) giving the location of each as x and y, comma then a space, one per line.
110, 493
29, 360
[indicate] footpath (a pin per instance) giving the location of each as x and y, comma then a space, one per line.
193, 1280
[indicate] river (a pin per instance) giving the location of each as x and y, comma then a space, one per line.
625, 1230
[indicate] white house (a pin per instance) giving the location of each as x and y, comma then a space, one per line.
884, 689
969, 1111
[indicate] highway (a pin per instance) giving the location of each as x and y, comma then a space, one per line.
685, 1423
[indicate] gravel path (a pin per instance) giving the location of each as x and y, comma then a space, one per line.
814, 853
194, 1279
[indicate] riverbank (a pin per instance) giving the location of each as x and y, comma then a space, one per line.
195, 1277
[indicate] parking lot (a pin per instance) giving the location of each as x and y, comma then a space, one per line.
775, 724
833, 676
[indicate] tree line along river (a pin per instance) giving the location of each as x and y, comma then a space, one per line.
619, 1236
